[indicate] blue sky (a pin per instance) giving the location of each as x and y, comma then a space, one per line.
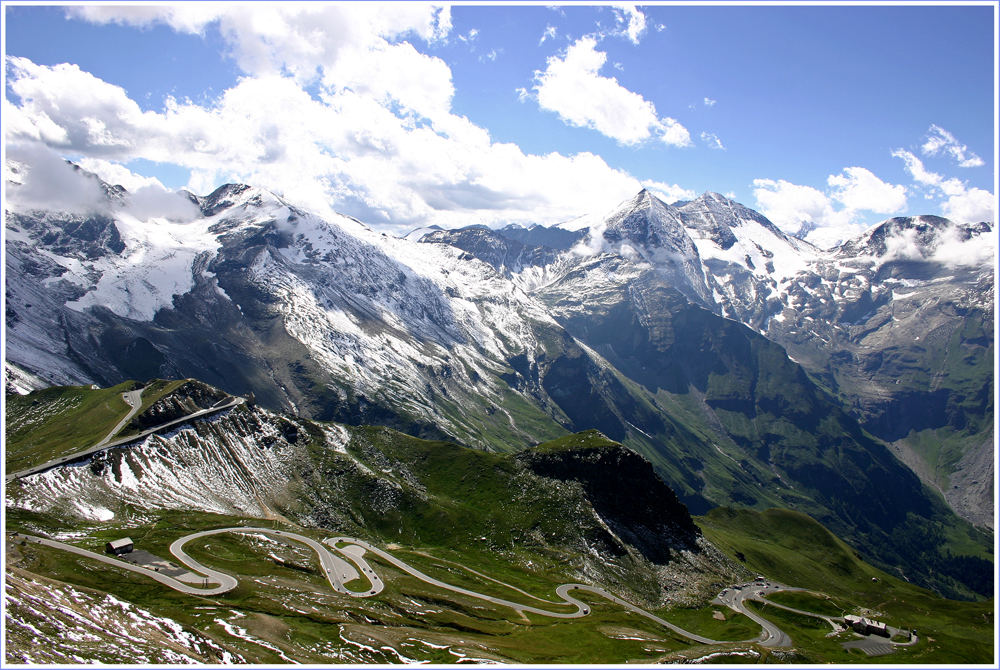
828, 119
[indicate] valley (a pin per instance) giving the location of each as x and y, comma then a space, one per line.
265, 580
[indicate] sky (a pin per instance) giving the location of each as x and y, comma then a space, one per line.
828, 119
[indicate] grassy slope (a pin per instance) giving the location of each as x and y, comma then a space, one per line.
794, 549
62, 420
477, 509
58, 421
292, 608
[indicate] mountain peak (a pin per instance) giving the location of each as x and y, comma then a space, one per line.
644, 198
712, 195
231, 195
916, 238
644, 219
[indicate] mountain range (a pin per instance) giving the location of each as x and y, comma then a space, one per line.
749, 368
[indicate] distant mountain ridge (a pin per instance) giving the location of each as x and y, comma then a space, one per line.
853, 316
631, 328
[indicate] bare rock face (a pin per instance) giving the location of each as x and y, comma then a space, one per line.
635, 504
187, 398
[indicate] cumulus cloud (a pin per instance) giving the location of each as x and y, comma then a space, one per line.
154, 201
857, 188
827, 219
44, 180
708, 102
631, 22
955, 245
956, 249
572, 87
115, 173
962, 203
350, 118
975, 204
669, 192
799, 210
940, 141
299, 39
349, 149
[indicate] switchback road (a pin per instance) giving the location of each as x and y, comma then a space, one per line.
734, 598
339, 571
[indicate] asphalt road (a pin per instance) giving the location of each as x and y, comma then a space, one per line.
335, 569
563, 591
339, 571
104, 444
134, 400
225, 582
771, 635
829, 620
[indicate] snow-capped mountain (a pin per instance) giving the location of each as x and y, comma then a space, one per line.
322, 317
499, 339
871, 318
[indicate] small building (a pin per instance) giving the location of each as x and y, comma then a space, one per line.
119, 547
866, 626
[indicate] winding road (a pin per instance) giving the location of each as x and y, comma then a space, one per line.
351, 565
134, 399
734, 598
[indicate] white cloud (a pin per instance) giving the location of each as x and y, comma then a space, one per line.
374, 135
916, 168
571, 86
395, 72
791, 207
971, 206
815, 216
857, 188
940, 140
47, 181
549, 34
115, 173
962, 203
804, 211
154, 201
297, 38
955, 249
708, 102
669, 192
712, 140
350, 149
954, 245
631, 22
